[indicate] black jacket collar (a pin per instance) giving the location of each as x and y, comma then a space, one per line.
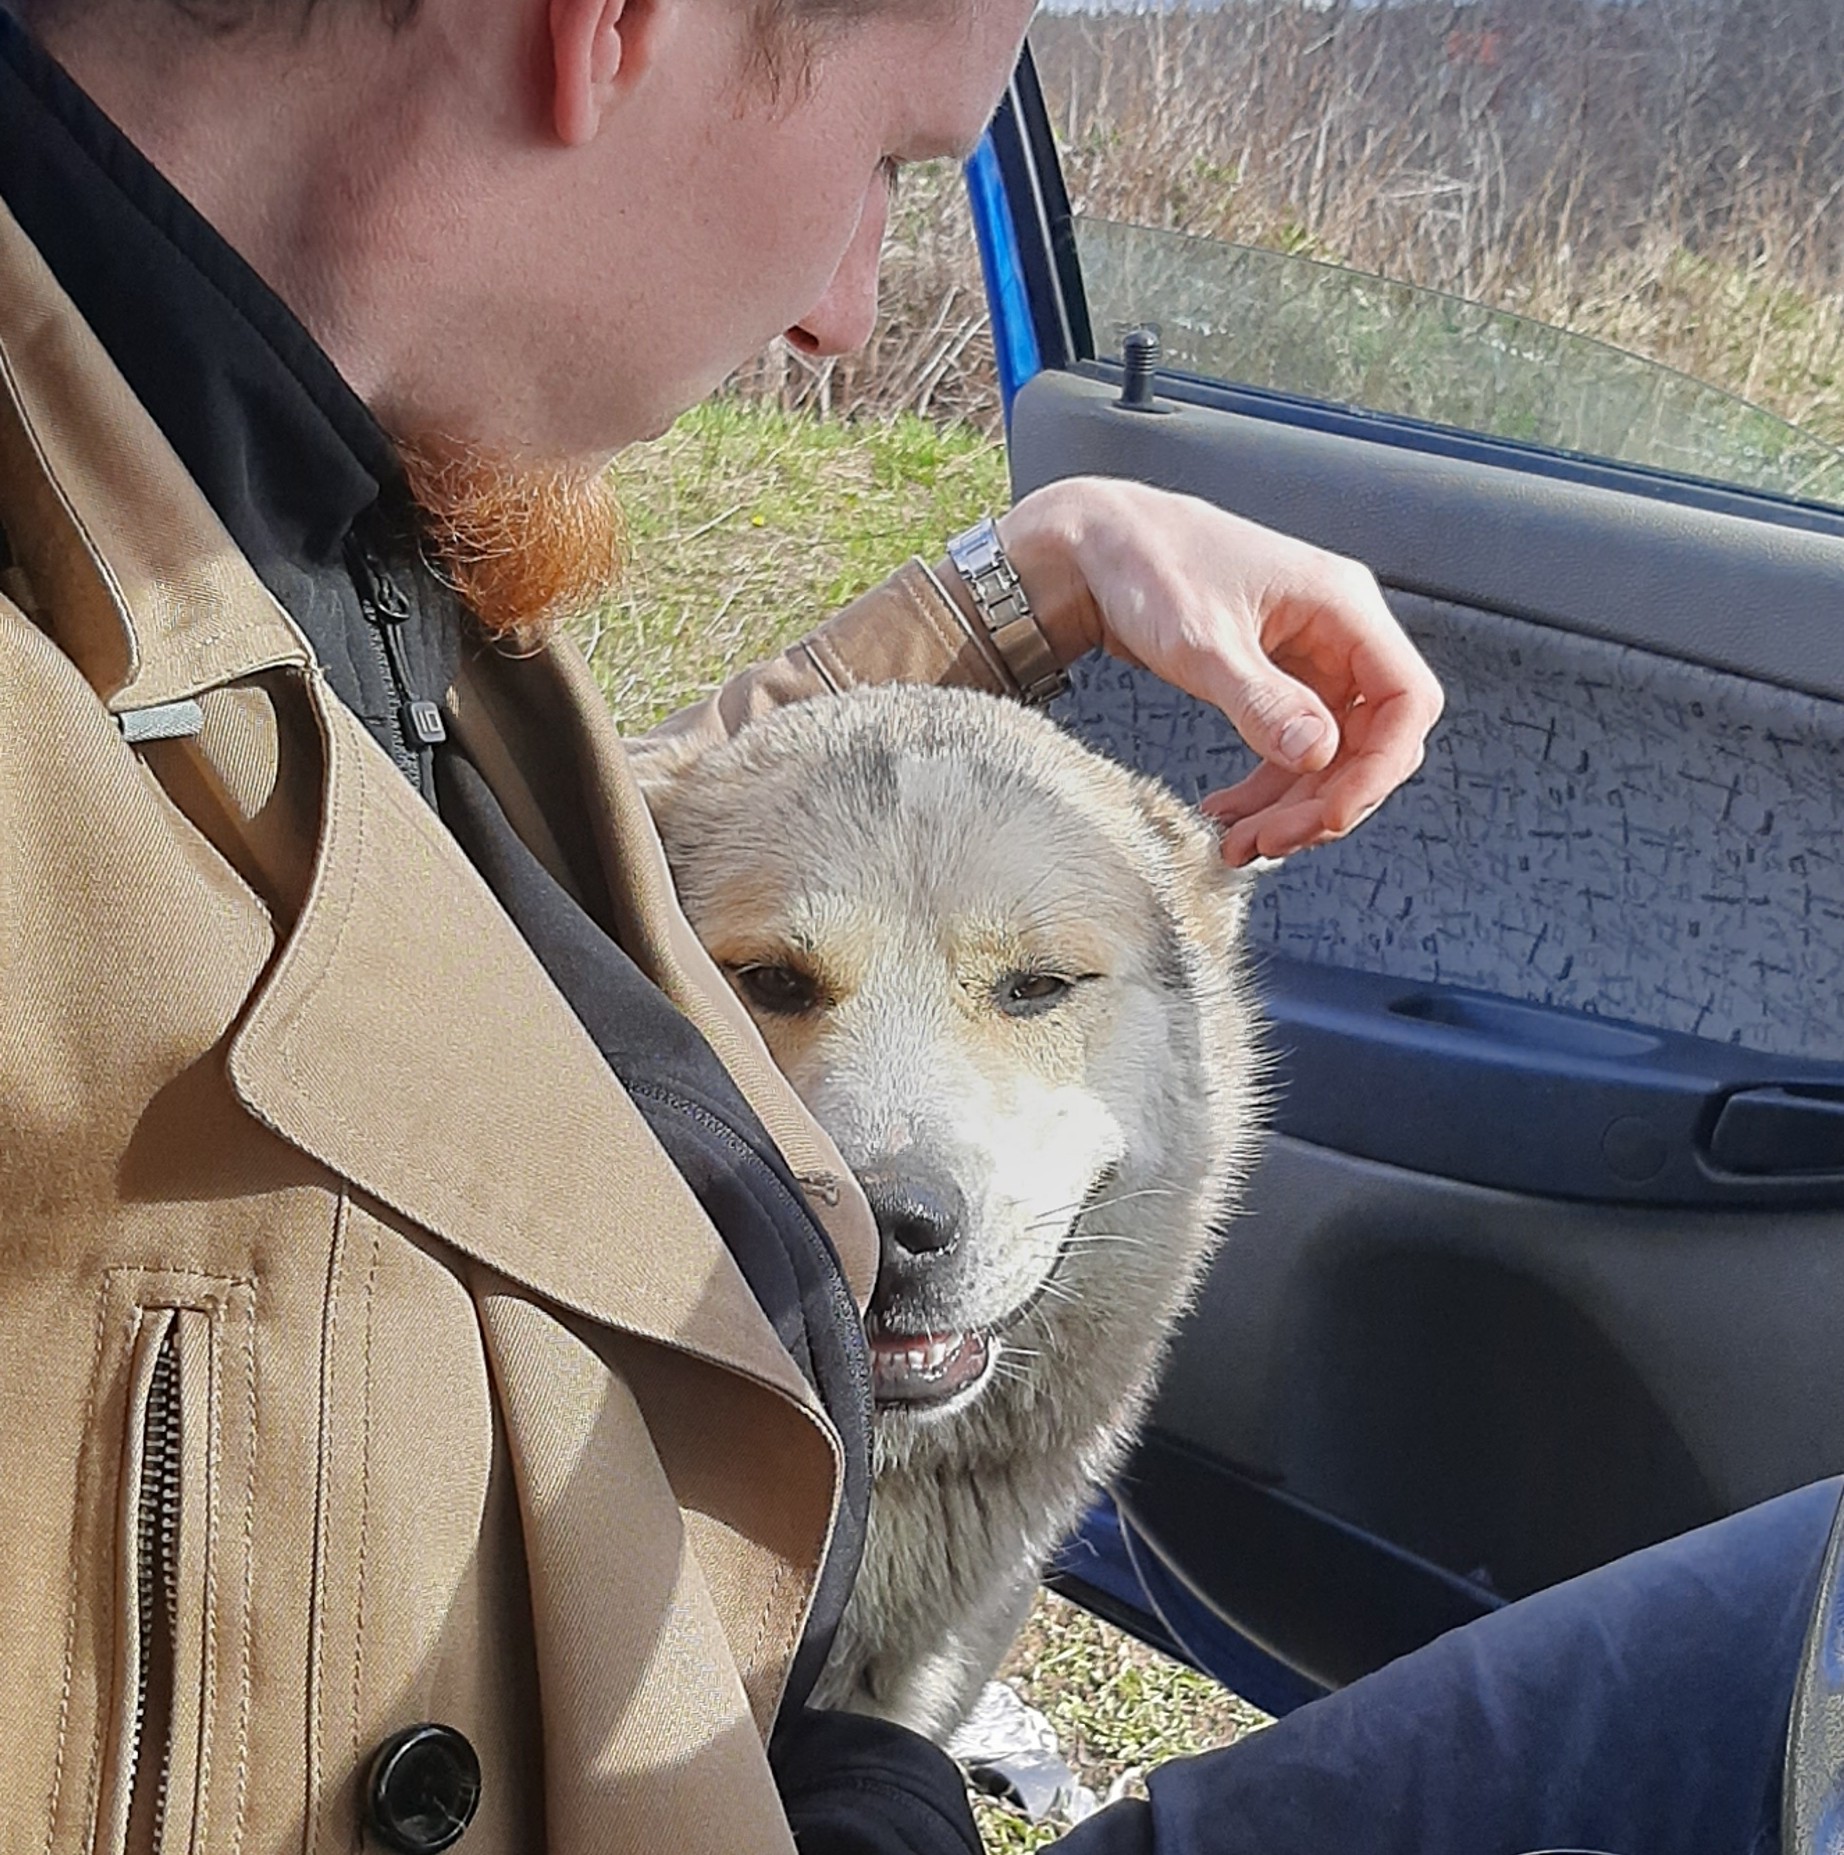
285, 452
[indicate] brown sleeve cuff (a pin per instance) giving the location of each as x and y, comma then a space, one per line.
908, 630
912, 630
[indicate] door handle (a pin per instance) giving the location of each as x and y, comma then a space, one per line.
1781, 1131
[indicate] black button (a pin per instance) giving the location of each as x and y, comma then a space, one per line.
423, 1789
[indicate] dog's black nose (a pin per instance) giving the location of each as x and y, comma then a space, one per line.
916, 1212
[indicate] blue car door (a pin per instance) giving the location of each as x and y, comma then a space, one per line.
1546, 1257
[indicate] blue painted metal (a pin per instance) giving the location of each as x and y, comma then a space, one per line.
1014, 334
1108, 1555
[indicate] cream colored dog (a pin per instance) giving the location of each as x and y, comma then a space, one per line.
1007, 977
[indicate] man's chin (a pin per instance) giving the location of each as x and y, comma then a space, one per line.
526, 545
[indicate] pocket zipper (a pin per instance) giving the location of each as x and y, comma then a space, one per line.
157, 1521
151, 1798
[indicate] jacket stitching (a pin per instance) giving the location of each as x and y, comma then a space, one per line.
358, 1622
214, 1289
249, 1565
214, 1465
768, 1612
343, 903
820, 670
932, 620
323, 1501
75, 1587
93, 1801
833, 668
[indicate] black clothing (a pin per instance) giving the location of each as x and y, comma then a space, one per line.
285, 452
311, 490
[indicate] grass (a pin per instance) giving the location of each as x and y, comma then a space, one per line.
1119, 1709
752, 523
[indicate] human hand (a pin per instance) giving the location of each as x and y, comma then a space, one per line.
1293, 644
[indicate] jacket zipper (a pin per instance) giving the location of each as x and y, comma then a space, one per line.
416, 725
157, 1523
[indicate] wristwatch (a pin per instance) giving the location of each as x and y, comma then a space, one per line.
1006, 613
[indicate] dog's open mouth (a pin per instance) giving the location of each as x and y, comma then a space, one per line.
926, 1368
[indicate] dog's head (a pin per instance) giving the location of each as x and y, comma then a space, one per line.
1005, 976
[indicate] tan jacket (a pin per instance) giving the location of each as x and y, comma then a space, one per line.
365, 1360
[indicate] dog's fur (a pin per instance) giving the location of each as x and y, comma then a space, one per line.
1007, 977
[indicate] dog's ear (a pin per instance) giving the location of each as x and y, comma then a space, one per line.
1213, 897
662, 761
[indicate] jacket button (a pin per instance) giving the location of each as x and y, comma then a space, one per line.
423, 1789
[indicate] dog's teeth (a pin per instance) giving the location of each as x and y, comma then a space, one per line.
917, 1358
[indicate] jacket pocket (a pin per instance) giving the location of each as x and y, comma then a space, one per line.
173, 1557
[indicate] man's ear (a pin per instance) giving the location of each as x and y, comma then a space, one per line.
593, 44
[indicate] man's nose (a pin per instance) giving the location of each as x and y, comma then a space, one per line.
842, 320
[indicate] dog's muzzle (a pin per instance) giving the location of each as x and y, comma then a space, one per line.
921, 1216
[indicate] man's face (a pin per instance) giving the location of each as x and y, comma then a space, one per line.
714, 210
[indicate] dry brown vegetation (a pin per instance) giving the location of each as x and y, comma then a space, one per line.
1667, 175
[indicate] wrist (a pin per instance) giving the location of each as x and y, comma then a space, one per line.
996, 608
1045, 536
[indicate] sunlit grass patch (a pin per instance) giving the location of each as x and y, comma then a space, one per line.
1118, 1708
751, 524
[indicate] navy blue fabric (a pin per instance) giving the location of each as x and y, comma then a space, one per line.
858, 1786
1640, 1709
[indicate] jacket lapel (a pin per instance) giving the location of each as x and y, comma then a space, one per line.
408, 1039
404, 1036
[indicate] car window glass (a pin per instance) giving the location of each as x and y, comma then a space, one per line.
1610, 229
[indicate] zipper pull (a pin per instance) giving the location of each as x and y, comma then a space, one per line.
386, 607
381, 597
422, 722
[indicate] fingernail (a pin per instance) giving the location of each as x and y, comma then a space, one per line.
1301, 736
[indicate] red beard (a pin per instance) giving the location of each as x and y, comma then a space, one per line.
525, 546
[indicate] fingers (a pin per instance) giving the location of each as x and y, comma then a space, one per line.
1273, 812
1403, 701
1283, 719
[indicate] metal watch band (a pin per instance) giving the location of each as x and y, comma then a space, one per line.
1006, 613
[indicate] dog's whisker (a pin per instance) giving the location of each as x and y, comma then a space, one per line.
1067, 1213
1015, 1363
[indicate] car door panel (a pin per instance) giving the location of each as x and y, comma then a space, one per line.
1544, 1260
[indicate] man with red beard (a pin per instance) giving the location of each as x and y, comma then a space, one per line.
434, 1394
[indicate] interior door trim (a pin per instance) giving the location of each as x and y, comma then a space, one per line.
1755, 597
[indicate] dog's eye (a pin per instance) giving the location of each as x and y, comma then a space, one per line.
1024, 995
781, 989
